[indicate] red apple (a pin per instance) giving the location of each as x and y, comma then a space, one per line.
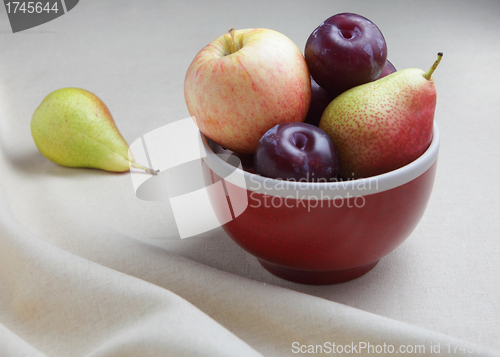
244, 83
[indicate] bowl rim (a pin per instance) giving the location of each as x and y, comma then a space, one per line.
217, 162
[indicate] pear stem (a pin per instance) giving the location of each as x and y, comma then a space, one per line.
428, 74
147, 169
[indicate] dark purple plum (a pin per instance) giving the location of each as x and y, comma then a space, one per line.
388, 69
320, 98
297, 152
345, 51
246, 160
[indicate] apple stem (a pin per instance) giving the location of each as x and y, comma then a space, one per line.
235, 46
147, 169
428, 74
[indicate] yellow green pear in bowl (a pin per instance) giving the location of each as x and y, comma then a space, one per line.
382, 125
73, 127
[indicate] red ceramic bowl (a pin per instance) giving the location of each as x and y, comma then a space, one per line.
318, 233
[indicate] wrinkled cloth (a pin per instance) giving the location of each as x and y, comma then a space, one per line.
88, 268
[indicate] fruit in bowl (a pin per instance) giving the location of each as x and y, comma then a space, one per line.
344, 51
319, 232
372, 177
244, 83
382, 125
296, 151
388, 69
320, 98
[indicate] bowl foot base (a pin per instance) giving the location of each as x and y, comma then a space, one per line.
317, 277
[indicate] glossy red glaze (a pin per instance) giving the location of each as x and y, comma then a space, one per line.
329, 241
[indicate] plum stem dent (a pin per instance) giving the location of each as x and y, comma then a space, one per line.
428, 74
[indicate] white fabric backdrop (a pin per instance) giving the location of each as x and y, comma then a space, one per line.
89, 269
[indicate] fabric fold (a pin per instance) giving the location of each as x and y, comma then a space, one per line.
61, 304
